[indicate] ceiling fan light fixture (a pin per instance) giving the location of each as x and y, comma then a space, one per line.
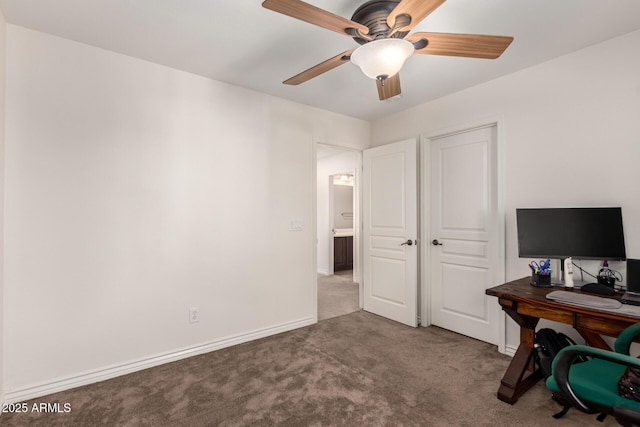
382, 58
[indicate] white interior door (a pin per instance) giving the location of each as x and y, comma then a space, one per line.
390, 231
464, 231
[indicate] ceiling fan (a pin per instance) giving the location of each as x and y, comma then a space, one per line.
382, 28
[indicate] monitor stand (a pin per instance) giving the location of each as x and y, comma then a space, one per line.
577, 284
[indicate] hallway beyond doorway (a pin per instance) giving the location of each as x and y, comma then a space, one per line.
337, 295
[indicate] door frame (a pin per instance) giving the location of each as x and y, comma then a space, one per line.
425, 204
357, 221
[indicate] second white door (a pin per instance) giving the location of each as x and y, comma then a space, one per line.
464, 231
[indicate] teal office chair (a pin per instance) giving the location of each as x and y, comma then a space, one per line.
592, 386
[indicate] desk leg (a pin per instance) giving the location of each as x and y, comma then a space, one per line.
519, 377
521, 374
594, 340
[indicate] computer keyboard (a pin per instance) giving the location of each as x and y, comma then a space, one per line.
584, 300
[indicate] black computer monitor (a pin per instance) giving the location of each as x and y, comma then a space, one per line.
583, 233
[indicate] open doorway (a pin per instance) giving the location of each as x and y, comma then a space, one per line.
341, 203
338, 232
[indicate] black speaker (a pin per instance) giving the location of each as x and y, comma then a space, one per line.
633, 275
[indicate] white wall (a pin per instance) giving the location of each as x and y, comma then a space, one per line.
120, 216
571, 132
3, 32
328, 166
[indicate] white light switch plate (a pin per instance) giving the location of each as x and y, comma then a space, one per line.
295, 225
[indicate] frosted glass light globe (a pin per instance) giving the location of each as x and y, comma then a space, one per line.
383, 58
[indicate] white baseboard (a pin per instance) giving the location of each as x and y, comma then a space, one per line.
324, 272
510, 350
31, 392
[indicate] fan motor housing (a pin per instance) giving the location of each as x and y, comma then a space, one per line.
373, 15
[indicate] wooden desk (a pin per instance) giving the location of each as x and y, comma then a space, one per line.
527, 305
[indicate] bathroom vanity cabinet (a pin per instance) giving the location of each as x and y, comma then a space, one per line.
343, 253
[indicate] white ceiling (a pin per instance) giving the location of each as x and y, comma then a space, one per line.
241, 43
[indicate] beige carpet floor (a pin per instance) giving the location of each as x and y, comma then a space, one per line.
337, 295
352, 370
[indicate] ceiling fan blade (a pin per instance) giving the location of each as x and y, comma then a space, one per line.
322, 67
416, 9
390, 89
468, 45
314, 15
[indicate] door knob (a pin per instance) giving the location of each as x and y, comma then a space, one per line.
435, 242
408, 243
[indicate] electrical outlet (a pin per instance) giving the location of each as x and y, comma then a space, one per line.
194, 315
